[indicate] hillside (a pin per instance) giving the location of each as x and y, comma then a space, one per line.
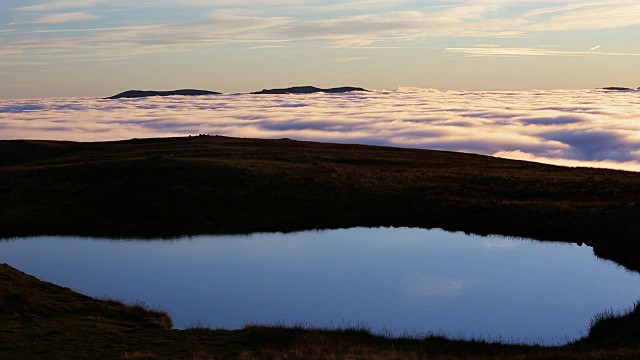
210, 184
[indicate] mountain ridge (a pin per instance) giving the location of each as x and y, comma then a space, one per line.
129, 94
309, 90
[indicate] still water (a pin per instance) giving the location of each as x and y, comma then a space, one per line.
396, 280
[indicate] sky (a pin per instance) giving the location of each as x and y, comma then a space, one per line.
71, 48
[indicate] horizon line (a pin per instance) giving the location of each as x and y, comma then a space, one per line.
605, 88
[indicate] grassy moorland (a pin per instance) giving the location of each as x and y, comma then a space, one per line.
210, 184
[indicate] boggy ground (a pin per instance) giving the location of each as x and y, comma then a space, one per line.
211, 184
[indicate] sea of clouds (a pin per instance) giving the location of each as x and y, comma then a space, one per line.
593, 128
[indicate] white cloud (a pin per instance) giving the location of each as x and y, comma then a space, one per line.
520, 155
480, 50
575, 128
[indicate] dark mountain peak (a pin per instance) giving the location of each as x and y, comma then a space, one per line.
148, 93
309, 90
618, 88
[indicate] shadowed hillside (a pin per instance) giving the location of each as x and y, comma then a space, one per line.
210, 184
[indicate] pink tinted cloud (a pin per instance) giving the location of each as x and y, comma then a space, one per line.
575, 128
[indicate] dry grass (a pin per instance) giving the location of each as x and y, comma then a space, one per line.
211, 184
188, 186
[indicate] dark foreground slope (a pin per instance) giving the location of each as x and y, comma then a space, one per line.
210, 184
186, 186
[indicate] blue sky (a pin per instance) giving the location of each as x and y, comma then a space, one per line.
98, 47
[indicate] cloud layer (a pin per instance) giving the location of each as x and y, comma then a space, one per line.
567, 127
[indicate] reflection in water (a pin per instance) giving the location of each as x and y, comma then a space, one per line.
424, 290
395, 280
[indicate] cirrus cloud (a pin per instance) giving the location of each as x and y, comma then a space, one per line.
64, 18
344, 24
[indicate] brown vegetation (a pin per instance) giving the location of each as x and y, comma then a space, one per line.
211, 184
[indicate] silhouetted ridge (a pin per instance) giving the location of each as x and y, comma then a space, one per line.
618, 88
145, 93
309, 90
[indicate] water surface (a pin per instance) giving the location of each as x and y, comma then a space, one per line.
394, 280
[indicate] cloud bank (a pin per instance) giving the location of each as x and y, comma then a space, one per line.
566, 127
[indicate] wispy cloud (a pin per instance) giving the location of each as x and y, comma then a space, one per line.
503, 51
22, 63
274, 46
357, 23
64, 18
62, 4
349, 59
589, 15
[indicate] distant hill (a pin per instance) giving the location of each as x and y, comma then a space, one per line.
309, 90
618, 88
147, 93
193, 92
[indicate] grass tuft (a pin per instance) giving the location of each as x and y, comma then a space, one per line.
138, 310
199, 326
